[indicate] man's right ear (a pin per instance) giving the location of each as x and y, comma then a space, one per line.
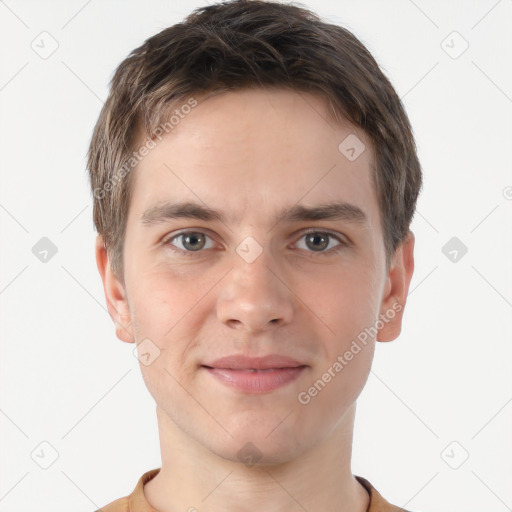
115, 294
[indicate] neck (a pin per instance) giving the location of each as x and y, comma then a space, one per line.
194, 477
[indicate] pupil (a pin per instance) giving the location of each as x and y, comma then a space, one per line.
193, 239
315, 238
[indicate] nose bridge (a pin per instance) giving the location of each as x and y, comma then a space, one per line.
252, 266
254, 295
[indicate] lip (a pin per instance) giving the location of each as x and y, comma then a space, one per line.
255, 374
240, 362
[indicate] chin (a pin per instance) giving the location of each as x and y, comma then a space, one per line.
257, 448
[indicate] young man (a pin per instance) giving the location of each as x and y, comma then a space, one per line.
254, 178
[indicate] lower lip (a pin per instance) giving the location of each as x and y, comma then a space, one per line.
256, 381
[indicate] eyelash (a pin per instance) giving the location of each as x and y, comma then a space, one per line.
342, 243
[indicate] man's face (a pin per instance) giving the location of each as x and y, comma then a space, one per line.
251, 284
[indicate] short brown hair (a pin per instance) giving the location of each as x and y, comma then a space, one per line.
244, 44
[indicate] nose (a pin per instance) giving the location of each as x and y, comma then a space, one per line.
254, 295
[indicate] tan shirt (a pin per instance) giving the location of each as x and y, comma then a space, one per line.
136, 501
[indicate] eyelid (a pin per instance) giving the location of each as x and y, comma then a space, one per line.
335, 234
340, 237
168, 238
343, 241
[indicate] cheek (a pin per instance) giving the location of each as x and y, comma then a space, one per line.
167, 309
351, 312
336, 383
345, 299
160, 309
159, 300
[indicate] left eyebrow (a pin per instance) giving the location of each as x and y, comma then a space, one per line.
330, 211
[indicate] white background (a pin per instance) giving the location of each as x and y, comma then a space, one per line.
68, 381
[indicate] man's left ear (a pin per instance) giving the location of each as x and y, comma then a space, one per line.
396, 290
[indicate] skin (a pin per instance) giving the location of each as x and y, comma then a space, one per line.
250, 153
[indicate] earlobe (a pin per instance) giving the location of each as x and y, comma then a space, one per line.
115, 294
396, 290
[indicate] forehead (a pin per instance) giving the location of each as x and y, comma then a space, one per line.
253, 150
